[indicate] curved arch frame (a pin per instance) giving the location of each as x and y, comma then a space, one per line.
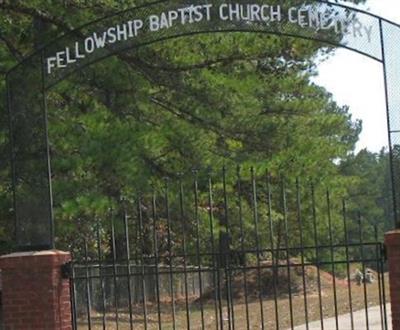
29, 82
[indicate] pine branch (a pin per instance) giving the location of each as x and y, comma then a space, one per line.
13, 50
18, 8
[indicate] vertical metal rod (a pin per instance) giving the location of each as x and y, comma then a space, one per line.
332, 253
156, 259
317, 256
274, 256
285, 219
128, 263
303, 269
101, 275
12, 155
74, 299
142, 261
47, 145
71, 293
114, 264
87, 287
227, 257
184, 239
389, 125
215, 266
256, 228
378, 270
346, 242
242, 248
382, 258
199, 270
170, 255
363, 268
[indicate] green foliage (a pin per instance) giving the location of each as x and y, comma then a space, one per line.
190, 103
369, 195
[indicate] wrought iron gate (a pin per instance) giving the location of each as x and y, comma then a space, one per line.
231, 251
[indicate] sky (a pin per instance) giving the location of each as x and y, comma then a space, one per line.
357, 81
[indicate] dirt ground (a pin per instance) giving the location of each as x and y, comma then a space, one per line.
261, 308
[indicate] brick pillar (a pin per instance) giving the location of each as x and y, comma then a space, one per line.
34, 294
392, 243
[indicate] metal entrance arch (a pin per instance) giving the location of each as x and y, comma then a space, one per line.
29, 82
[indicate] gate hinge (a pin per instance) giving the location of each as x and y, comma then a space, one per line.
66, 270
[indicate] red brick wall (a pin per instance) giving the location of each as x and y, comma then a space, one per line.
392, 243
34, 295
